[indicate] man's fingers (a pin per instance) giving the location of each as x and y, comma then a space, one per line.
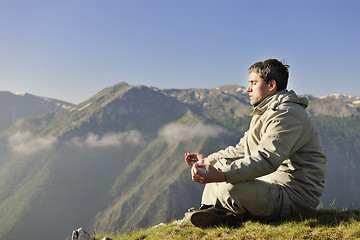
198, 179
191, 158
197, 176
201, 172
193, 170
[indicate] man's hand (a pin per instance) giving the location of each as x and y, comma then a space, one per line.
210, 175
191, 158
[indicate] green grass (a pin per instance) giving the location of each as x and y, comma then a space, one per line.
322, 224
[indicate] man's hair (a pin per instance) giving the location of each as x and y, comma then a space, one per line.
272, 69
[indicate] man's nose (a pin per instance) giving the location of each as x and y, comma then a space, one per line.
248, 89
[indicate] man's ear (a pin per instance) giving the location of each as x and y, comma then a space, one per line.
272, 86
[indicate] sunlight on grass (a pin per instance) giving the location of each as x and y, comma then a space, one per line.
323, 224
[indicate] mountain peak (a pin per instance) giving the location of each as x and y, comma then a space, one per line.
341, 96
14, 107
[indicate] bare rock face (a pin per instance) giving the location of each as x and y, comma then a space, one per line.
80, 234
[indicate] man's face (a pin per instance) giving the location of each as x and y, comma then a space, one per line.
258, 90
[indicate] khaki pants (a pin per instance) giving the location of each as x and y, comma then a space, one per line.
257, 197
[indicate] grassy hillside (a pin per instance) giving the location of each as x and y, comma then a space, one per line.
323, 224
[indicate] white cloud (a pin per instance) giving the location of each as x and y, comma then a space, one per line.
109, 139
27, 143
175, 132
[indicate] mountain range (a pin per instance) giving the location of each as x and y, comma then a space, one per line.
115, 162
14, 107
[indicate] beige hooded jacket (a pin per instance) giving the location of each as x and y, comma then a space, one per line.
281, 146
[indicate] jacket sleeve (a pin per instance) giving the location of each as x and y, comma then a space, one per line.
230, 152
280, 134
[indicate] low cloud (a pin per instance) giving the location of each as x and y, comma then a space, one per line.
109, 139
176, 133
27, 143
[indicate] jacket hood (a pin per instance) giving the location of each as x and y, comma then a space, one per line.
275, 100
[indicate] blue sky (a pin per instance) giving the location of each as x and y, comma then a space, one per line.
71, 49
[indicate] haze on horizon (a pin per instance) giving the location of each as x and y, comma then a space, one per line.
70, 50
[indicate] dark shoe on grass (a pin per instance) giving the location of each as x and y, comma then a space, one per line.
214, 217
